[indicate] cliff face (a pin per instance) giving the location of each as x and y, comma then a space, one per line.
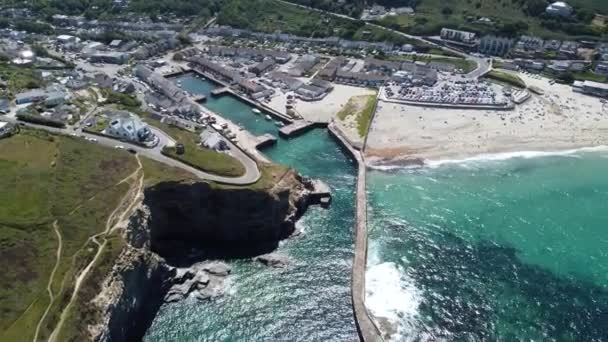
227, 221
202, 216
133, 291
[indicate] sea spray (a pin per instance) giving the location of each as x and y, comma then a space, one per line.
396, 165
391, 294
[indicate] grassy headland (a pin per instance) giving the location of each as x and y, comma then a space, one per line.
50, 181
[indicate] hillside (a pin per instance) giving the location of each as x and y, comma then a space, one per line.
56, 194
511, 17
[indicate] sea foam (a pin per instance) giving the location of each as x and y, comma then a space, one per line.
431, 163
519, 154
392, 295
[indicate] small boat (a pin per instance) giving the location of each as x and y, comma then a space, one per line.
279, 123
268, 117
257, 111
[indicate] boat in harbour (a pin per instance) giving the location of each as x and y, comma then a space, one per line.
268, 117
255, 110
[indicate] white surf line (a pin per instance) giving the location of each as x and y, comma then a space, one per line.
49, 286
517, 154
433, 163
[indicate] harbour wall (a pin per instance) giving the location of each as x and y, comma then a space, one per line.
366, 327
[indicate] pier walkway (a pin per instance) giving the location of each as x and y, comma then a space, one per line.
368, 331
297, 127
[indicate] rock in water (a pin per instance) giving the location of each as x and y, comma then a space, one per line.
217, 268
273, 259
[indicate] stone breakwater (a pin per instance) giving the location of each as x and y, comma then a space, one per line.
172, 239
367, 329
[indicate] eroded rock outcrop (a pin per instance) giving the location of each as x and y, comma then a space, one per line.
201, 222
225, 221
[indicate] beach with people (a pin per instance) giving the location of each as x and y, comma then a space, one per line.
557, 120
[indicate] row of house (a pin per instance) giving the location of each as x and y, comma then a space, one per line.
262, 67
249, 53
414, 72
51, 96
218, 71
80, 21
163, 85
336, 42
153, 49
314, 90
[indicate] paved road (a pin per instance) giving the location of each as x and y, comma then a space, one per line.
252, 173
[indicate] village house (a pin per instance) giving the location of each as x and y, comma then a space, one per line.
125, 125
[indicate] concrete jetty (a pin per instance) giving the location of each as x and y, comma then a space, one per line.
265, 140
321, 194
199, 98
220, 91
367, 329
296, 128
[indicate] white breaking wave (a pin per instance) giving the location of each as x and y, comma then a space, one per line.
492, 157
510, 155
390, 167
392, 295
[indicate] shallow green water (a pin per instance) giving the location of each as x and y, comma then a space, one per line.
512, 250
310, 299
228, 106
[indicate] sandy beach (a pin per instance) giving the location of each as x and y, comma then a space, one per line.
558, 120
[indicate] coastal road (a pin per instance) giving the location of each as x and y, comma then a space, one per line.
252, 173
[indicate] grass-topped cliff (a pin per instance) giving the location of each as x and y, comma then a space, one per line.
63, 207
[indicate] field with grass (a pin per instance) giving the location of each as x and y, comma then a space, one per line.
52, 188
18, 78
359, 110
506, 78
199, 157
60, 191
509, 17
271, 16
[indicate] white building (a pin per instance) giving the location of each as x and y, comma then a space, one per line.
129, 127
559, 9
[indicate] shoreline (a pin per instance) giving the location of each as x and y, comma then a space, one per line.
404, 162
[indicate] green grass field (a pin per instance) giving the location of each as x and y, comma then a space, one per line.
48, 179
506, 78
199, 157
432, 15
362, 107
18, 78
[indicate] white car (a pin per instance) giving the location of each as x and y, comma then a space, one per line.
119, 147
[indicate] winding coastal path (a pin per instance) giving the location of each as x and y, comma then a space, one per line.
114, 221
49, 286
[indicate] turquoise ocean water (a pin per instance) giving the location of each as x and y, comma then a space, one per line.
310, 299
507, 250
499, 250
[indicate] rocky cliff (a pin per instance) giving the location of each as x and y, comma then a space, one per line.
212, 222
226, 221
